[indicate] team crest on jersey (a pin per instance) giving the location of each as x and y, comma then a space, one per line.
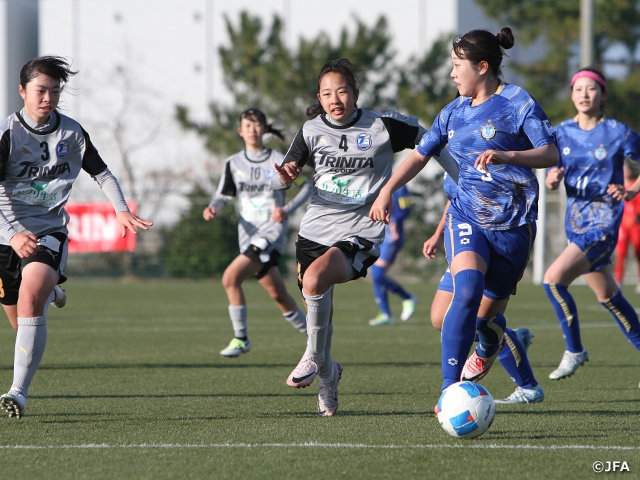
363, 141
600, 153
62, 149
488, 131
268, 174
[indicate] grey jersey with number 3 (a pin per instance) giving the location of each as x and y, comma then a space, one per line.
352, 163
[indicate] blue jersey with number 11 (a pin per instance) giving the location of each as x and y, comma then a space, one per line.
504, 196
593, 159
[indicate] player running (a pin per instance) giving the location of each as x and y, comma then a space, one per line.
41, 155
629, 233
382, 284
592, 152
262, 229
351, 150
497, 133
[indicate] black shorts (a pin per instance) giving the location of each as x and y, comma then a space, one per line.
254, 252
362, 253
11, 266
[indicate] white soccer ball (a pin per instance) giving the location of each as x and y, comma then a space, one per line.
465, 410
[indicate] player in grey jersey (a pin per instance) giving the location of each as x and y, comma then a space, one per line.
352, 151
41, 155
262, 229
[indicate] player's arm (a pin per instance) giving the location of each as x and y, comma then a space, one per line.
554, 178
280, 214
618, 192
291, 167
430, 246
542, 157
226, 191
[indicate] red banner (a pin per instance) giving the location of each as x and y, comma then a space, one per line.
94, 228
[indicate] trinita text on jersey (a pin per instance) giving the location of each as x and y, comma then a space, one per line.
345, 164
31, 169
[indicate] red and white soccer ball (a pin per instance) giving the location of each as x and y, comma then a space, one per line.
465, 410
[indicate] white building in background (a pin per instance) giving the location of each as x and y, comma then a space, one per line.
138, 59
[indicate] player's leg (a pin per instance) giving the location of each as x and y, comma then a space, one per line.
442, 300
621, 254
380, 289
274, 285
241, 268
514, 358
634, 236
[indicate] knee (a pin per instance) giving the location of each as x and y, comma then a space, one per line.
229, 280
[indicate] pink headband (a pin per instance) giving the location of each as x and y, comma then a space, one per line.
592, 75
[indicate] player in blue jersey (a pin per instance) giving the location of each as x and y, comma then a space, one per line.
382, 284
592, 153
497, 133
513, 355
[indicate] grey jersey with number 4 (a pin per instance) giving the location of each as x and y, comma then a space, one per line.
352, 163
249, 180
38, 165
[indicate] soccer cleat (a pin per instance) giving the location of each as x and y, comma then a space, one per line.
306, 371
569, 364
525, 336
14, 403
59, 297
236, 348
381, 319
408, 308
476, 367
524, 395
328, 393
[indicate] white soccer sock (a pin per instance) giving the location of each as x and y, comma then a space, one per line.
327, 369
319, 312
238, 315
297, 319
30, 343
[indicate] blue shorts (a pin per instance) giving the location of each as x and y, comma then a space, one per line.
389, 250
597, 245
446, 282
506, 252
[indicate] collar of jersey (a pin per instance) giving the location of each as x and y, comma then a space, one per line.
50, 130
257, 161
602, 119
341, 127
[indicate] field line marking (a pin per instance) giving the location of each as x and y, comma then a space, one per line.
107, 446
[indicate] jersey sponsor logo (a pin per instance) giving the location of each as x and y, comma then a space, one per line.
566, 151
31, 169
62, 149
252, 188
343, 190
345, 164
488, 131
600, 153
549, 127
364, 141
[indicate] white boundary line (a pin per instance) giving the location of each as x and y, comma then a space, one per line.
106, 446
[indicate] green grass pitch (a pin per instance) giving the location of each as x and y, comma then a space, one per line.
132, 386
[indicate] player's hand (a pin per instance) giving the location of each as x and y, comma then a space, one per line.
618, 192
491, 157
288, 172
208, 213
25, 244
381, 208
128, 220
279, 215
431, 246
554, 177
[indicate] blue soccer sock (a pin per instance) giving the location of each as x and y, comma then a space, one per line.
625, 316
380, 289
567, 313
515, 361
490, 334
459, 327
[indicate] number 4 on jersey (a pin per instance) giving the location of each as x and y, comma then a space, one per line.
343, 143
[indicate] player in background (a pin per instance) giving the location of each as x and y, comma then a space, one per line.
592, 152
382, 284
513, 355
41, 154
262, 229
629, 232
351, 150
497, 133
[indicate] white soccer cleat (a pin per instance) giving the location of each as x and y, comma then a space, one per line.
524, 395
236, 348
306, 371
59, 297
14, 403
328, 393
408, 308
569, 364
381, 319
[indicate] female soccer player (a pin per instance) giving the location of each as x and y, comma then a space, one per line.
262, 230
513, 355
382, 284
352, 152
497, 133
629, 232
41, 155
592, 151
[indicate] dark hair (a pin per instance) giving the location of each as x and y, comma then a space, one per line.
597, 72
258, 116
479, 45
55, 67
342, 66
